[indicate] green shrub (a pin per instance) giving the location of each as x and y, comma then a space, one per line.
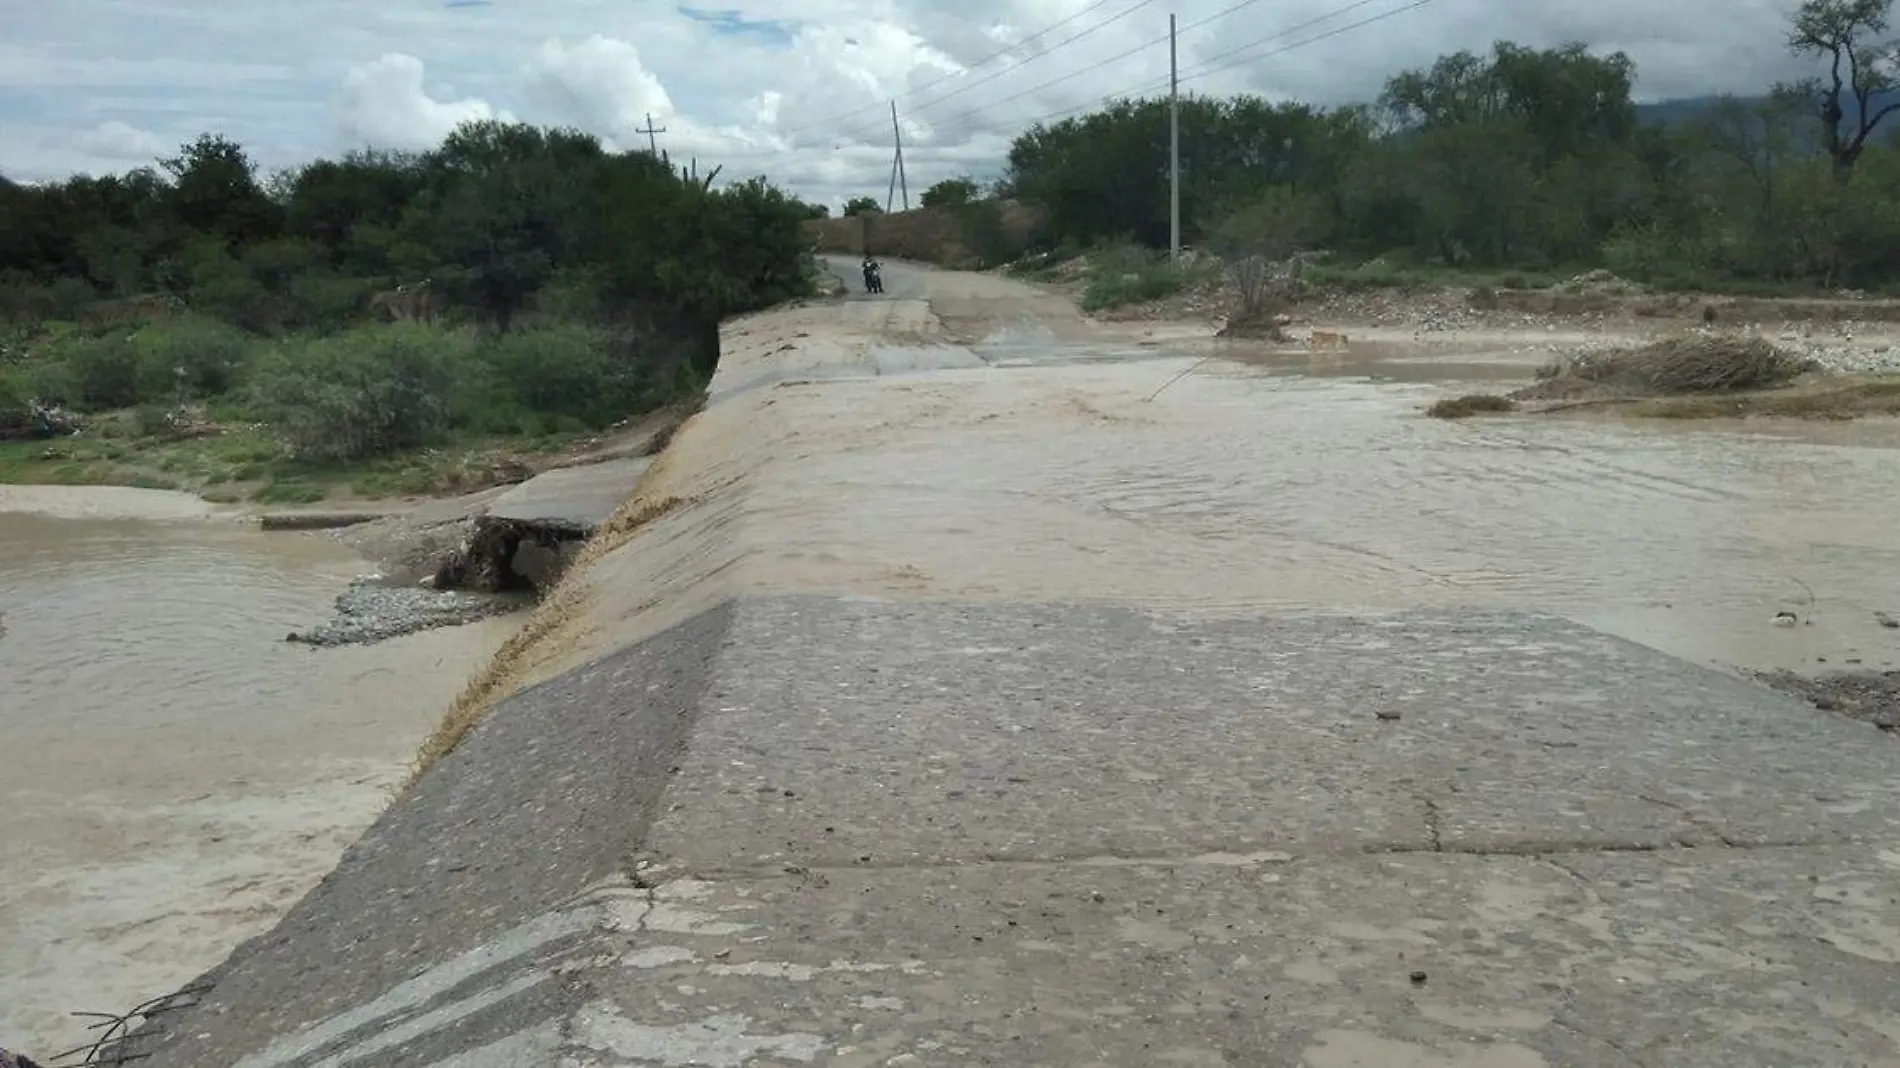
367, 392
101, 372
1128, 274
24, 299
326, 301
566, 371
15, 414
1645, 253
197, 356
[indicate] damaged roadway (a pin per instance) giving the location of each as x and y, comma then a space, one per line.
742, 808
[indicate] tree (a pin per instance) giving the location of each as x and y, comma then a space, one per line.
952, 193
1861, 67
215, 191
862, 206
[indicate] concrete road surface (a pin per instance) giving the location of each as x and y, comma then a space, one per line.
938, 723
571, 498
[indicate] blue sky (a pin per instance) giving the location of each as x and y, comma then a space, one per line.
798, 89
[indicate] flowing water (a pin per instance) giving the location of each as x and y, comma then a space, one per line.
1237, 489
1197, 480
173, 775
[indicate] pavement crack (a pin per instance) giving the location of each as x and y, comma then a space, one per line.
1565, 868
1240, 858
1432, 826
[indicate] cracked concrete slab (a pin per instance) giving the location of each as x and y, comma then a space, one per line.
1692, 957
934, 733
846, 831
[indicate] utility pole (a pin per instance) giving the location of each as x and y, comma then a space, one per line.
653, 144
1174, 150
903, 180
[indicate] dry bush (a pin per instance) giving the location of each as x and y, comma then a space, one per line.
1471, 404
1690, 363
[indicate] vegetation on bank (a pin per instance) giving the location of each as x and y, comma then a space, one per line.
1689, 376
399, 323
1470, 404
1512, 169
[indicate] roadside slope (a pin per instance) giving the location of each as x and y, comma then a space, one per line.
928, 722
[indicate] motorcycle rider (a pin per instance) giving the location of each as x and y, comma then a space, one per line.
872, 282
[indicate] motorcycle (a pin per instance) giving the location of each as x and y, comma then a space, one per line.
873, 277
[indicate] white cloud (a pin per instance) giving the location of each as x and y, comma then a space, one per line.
799, 89
385, 105
601, 86
115, 140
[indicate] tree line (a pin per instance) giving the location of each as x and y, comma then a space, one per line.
388, 292
1518, 158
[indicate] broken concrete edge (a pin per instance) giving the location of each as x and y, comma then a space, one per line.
512, 554
276, 521
501, 897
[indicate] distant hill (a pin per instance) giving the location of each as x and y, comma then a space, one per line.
1684, 109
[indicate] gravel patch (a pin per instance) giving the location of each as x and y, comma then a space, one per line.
370, 611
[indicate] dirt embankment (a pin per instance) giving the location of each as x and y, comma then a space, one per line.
951, 237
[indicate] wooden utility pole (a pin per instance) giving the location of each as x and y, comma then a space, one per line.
653, 144
1174, 150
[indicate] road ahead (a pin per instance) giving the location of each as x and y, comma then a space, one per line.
967, 707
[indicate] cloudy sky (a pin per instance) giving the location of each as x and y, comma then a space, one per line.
797, 89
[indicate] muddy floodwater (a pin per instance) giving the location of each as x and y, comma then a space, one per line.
1260, 481
175, 775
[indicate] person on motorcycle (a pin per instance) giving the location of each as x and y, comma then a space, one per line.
872, 282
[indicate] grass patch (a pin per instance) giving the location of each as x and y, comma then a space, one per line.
1471, 404
1685, 364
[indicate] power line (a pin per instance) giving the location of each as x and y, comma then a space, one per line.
1203, 68
1215, 17
1104, 24
1210, 66
985, 61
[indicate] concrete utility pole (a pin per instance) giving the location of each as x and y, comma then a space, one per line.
653, 144
1174, 150
903, 179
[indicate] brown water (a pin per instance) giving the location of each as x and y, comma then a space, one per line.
1273, 482
174, 774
